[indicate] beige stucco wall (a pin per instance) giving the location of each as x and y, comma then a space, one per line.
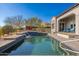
74, 11
53, 25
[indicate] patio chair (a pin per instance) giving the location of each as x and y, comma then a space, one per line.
72, 29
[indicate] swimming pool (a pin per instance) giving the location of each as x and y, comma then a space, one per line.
37, 45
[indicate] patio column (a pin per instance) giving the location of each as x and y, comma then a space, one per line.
77, 24
53, 25
58, 25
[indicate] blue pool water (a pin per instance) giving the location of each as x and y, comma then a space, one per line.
38, 45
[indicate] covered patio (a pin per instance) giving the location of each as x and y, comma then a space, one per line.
67, 24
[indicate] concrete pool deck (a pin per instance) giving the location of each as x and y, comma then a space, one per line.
8, 39
5, 45
71, 43
4, 42
59, 38
74, 45
11, 37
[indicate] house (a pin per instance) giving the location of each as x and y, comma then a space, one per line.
67, 23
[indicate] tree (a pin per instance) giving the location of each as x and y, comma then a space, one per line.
1, 32
34, 21
7, 29
16, 22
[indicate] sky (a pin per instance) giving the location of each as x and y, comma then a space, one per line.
44, 11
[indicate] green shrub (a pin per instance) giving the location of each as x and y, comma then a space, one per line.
7, 29
1, 32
